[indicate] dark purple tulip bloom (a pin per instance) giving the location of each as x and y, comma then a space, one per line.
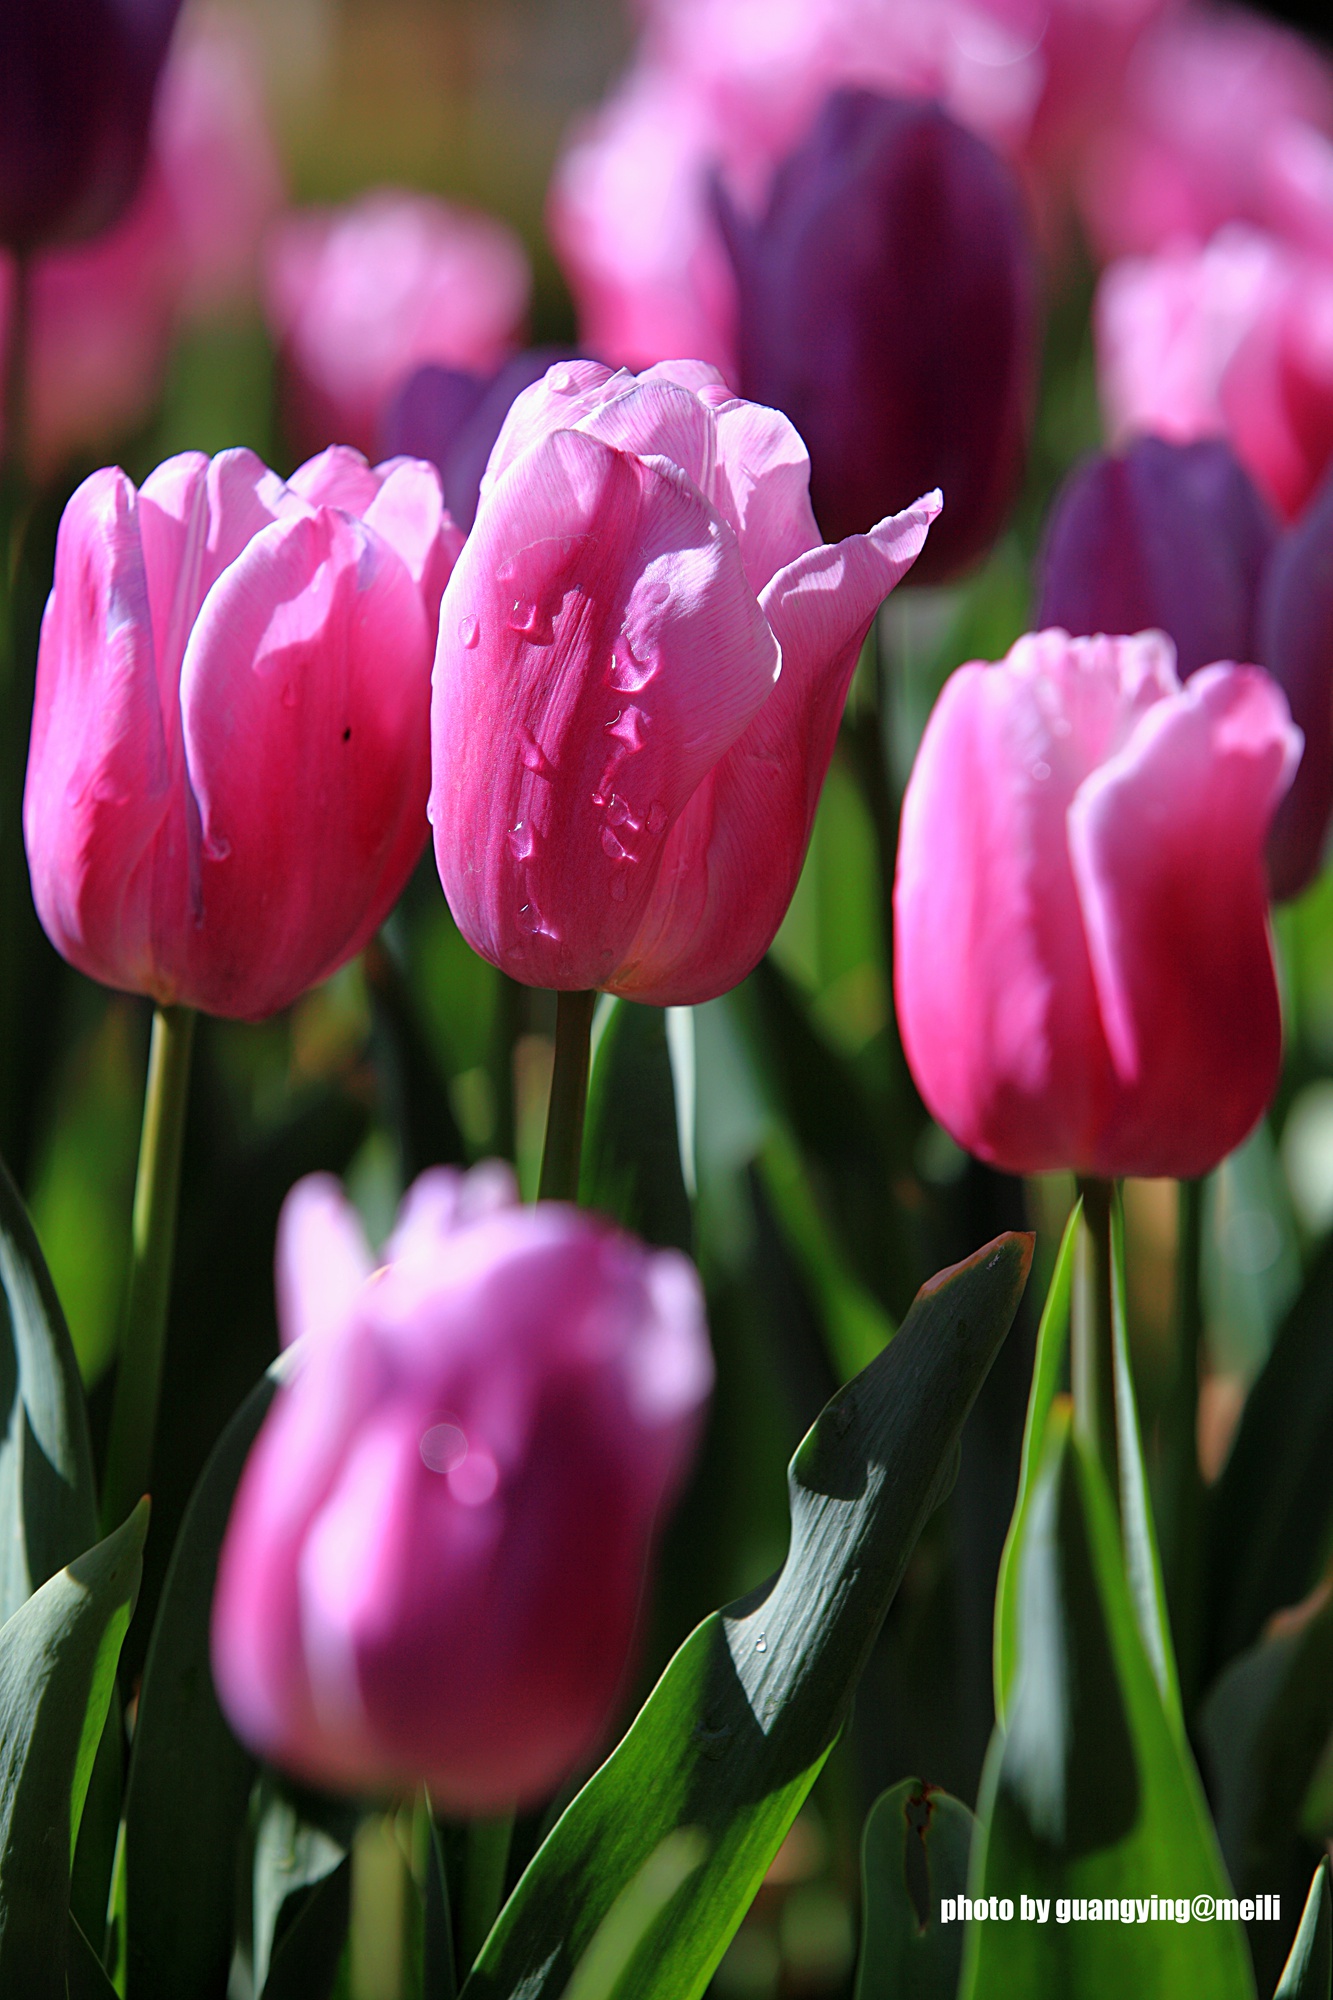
453, 419
77, 79
1296, 645
1172, 536
888, 306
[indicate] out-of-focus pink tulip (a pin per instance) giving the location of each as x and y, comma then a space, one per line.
359, 297
103, 314
436, 1556
230, 761
644, 653
1083, 970
1234, 340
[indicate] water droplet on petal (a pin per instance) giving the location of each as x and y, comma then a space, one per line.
561, 381
657, 817
761, 1643
612, 848
523, 616
1041, 770
521, 841
469, 632
216, 847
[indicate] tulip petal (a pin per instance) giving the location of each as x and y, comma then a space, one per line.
322, 1258
764, 467
444, 1199
409, 512
1166, 840
732, 862
566, 393
304, 697
104, 814
337, 477
599, 651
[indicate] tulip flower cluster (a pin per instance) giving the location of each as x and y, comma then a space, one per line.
435, 1563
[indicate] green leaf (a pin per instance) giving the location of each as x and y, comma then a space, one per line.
1143, 1563
736, 1731
631, 1146
439, 1974
609, 1957
48, 1504
187, 1796
308, 1952
1047, 1371
87, 1977
57, 1665
1264, 1726
1308, 1973
1269, 1513
293, 1856
1088, 1791
914, 1853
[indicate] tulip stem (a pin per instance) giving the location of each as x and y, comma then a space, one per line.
1092, 1358
152, 1242
1184, 1494
563, 1152
485, 1860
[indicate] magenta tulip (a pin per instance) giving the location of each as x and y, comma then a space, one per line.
1083, 970
436, 1557
228, 776
644, 652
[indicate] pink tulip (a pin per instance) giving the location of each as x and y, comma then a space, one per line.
229, 763
104, 313
644, 652
1083, 970
1235, 341
436, 1557
359, 297
1213, 102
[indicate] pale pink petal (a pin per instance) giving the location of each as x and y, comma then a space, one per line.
444, 1199
765, 468
599, 650
1167, 843
409, 512
322, 1259
566, 393
338, 476
732, 861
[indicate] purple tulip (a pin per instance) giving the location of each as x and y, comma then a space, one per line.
887, 305
1296, 645
453, 419
1172, 536
435, 1562
77, 79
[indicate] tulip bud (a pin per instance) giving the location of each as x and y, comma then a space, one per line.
1296, 645
436, 1556
358, 298
1167, 535
229, 762
887, 305
1083, 971
77, 79
623, 780
453, 419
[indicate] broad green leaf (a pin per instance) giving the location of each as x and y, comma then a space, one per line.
1269, 1513
914, 1852
306, 1957
439, 1974
636, 1909
58, 1658
1088, 1790
189, 1781
293, 1856
1264, 1725
631, 1146
48, 1507
737, 1729
86, 1976
1143, 1563
1308, 1973
1047, 1372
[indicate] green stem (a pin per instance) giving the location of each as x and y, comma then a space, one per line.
153, 1236
1184, 1493
563, 1151
1092, 1359
484, 1863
